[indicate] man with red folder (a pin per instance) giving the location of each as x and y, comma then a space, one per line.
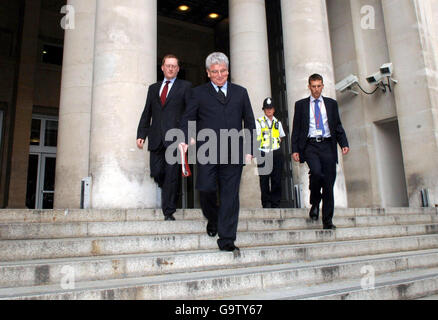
216, 106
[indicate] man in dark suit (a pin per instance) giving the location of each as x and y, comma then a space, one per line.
165, 103
215, 106
317, 129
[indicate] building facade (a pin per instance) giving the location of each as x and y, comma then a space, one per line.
75, 75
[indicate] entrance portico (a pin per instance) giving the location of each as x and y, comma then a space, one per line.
108, 52
123, 60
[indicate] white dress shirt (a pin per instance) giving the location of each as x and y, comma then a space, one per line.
224, 88
312, 122
164, 83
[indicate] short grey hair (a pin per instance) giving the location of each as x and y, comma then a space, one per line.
216, 58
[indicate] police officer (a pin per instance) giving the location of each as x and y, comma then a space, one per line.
269, 134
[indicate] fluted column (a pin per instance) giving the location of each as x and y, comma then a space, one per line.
125, 60
307, 50
72, 157
412, 41
249, 57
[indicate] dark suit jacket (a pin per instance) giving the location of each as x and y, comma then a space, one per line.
163, 117
210, 113
300, 129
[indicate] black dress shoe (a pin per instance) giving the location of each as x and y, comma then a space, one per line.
314, 213
169, 218
211, 229
329, 227
229, 247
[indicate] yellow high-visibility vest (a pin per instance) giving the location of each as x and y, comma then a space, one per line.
269, 136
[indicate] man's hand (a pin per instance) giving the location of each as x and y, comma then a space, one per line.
248, 158
296, 156
345, 150
140, 143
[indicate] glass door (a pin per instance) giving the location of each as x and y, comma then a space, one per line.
32, 181
47, 183
42, 163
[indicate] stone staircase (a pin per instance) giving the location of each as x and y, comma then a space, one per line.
134, 254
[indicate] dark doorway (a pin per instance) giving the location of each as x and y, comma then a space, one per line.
278, 89
191, 35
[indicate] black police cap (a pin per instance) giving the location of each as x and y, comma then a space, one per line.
267, 103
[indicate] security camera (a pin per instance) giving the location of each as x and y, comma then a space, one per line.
347, 83
386, 69
375, 78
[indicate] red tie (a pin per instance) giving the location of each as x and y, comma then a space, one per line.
164, 93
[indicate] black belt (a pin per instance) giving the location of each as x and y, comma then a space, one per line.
273, 151
319, 139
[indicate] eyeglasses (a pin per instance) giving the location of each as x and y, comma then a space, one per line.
216, 72
171, 66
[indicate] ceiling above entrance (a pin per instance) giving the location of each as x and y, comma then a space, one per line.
196, 11
53, 5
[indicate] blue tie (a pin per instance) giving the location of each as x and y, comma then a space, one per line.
318, 118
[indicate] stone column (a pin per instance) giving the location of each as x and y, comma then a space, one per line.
362, 164
352, 42
307, 50
24, 105
125, 61
250, 68
72, 157
410, 30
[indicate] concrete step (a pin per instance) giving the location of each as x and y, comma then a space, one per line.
430, 297
52, 271
249, 280
397, 285
11, 250
401, 286
21, 231
134, 254
119, 215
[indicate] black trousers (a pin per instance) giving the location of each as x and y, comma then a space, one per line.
322, 163
166, 176
225, 214
270, 184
